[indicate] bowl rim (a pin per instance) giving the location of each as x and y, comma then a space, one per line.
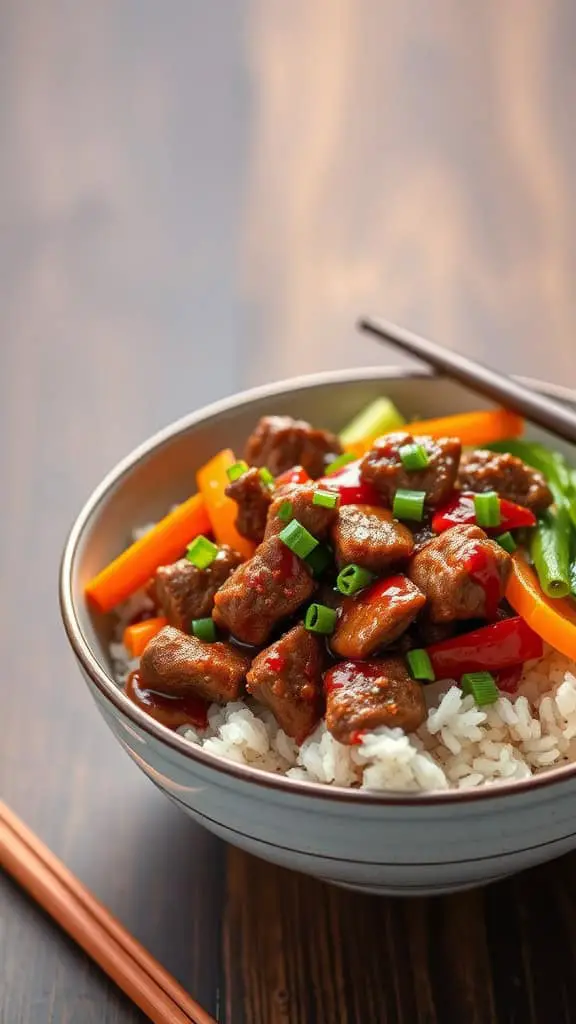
110, 690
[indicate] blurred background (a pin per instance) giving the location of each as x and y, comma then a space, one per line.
197, 196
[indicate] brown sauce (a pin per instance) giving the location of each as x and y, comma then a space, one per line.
172, 712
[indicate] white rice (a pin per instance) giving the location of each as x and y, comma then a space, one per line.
459, 746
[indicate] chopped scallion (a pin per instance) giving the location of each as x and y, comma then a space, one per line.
266, 477
482, 687
506, 541
339, 462
353, 578
320, 619
420, 665
487, 509
409, 504
286, 511
327, 499
319, 559
236, 470
414, 456
204, 629
298, 539
201, 552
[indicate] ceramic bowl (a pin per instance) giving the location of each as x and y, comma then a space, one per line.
378, 842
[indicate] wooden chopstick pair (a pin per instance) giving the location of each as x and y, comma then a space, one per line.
88, 922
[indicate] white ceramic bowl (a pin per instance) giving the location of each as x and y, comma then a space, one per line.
386, 843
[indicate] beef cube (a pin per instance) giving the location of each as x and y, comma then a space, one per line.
279, 442
253, 498
369, 536
184, 592
462, 573
379, 615
382, 466
180, 665
511, 478
315, 518
287, 678
264, 590
364, 695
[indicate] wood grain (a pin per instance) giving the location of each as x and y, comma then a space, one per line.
195, 197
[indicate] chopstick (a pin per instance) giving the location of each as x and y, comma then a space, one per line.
515, 396
88, 922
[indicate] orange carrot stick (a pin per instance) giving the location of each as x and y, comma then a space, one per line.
554, 619
473, 428
212, 482
164, 543
137, 636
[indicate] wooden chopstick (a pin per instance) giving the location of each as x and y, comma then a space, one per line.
544, 411
88, 922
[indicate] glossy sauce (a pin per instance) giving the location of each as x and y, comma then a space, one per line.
481, 567
172, 712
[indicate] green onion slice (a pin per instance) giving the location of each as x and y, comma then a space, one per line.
320, 619
339, 462
482, 687
266, 477
414, 456
506, 541
409, 504
286, 511
201, 552
204, 629
327, 499
487, 509
319, 559
236, 470
353, 578
420, 665
298, 539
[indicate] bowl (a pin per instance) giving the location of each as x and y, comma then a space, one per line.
399, 844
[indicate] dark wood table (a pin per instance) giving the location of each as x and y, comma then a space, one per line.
199, 196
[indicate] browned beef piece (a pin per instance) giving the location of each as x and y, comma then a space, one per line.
253, 498
382, 467
376, 617
462, 573
279, 442
300, 497
264, 590
364, 695
178, 665
287, 677
370, 537
482, 470
184, 592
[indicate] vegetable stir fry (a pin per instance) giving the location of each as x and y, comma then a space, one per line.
337, 577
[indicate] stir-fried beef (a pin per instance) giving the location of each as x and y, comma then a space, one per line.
287, 677
264, 590
253, 498
368, 536
363, 695
279, 442
462, 573
178, 665
296, 501
482, 470
376, 617
382, 466
184, 592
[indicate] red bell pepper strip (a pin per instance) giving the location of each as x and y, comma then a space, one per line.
492, 648
349, 485
507, 680
296, 475
460, 511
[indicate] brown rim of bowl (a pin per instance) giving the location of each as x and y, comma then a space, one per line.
110, 690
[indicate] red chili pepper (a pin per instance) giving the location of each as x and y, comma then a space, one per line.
460, 511
491, 648
296, 475
351, 488
508, 679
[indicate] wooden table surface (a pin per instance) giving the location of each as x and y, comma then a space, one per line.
195, 197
